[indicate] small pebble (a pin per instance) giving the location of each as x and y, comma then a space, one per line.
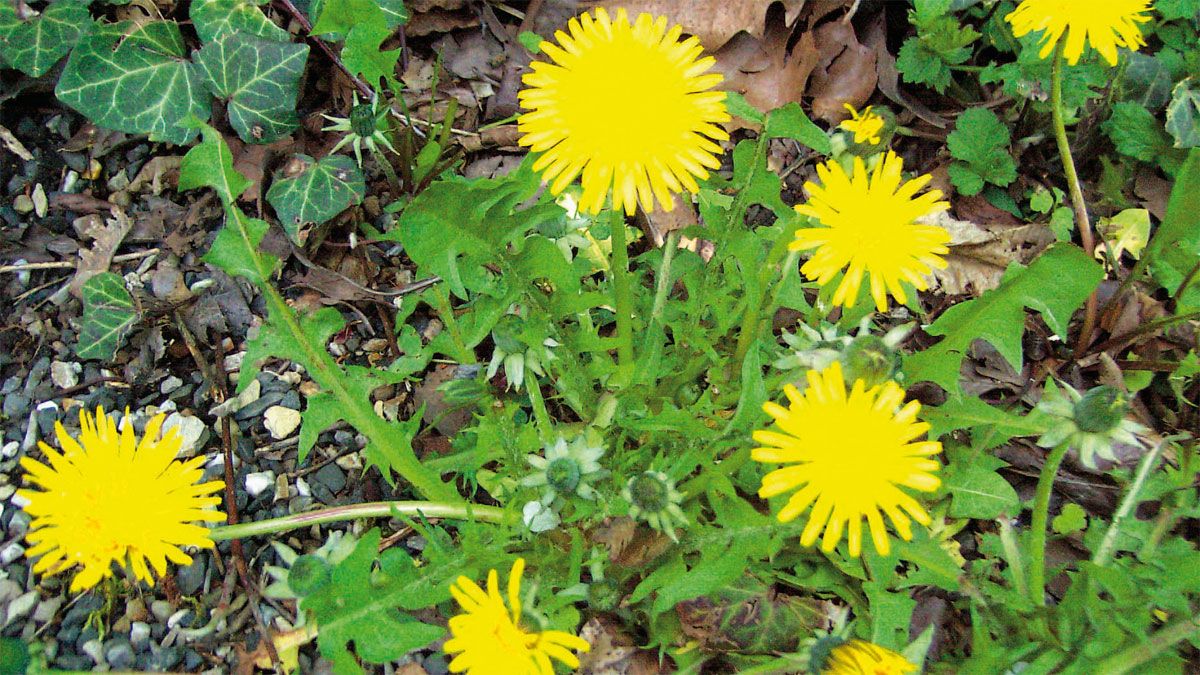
257, 483
10, 449
21, 606
161, 609
281, 422
169, 385
23, 204
47, 608
331, 477
119, 654
64, 374
139, 632
11, 552
94, 649
191, 429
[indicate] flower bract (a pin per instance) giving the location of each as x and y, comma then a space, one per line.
567, 468
1091, 423
858, 657
110, 498
849, 453
627, 106
865, 125
487, 637
868, 227
1104, 24
653, 498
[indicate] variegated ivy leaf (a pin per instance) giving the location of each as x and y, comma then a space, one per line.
136, 79
318, 192
108, 313
214, 19
35, 44
259, 78
1183, 113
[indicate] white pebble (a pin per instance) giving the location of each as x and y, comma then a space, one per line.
191, 430
281, 421
64, 374
10, 449
11, 553
139, 632
256, 483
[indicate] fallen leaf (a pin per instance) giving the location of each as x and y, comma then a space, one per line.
764, 71
979, 255
845, 72
107, 237
613, 651
713, 22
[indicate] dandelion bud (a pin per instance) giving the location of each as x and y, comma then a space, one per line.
1101, 409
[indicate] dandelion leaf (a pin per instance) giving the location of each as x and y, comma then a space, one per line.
976, 490
365, 605
998, 316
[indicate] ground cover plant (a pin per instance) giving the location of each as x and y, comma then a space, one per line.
780, 337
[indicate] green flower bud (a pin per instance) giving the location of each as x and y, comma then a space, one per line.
507, 334
1101, 409
604, 595
563, 474
870, 359
649, 492
363, 120
308, 574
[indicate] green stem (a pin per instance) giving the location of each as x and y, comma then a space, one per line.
663, 283
540, 416
622, 299
1104, 552
1037, 527
1073, 186
455, 510
1012, 555
1143, 652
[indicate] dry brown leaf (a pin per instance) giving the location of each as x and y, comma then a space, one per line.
108, 236
844, 74
158, 173
613, 651
764, 71
714, 22
979, 255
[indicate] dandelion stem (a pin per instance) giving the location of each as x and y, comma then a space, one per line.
1037, 526
663, 283
1073, 186
1142, 652
1104, 552
622, 299
454, 510
540, 416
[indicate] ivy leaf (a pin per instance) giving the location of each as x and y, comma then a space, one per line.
998, 316
363, 606
1183, 114
108, 313
259, 78
319, 192
976, 490
35, 45
980, 143
136, 79
215, 19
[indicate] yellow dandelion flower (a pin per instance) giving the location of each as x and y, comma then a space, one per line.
865, 125
628, 107
1105, 24
849, 454
870, 228
488, 638
857, 657
109, 498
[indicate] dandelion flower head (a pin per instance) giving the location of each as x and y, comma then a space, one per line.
487, 636
869, 228
1105, 24
849, 453
865, 125
627, 106
109, 498
857, 657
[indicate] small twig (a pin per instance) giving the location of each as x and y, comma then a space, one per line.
83, 386
14, 146
68, 264
363, 88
